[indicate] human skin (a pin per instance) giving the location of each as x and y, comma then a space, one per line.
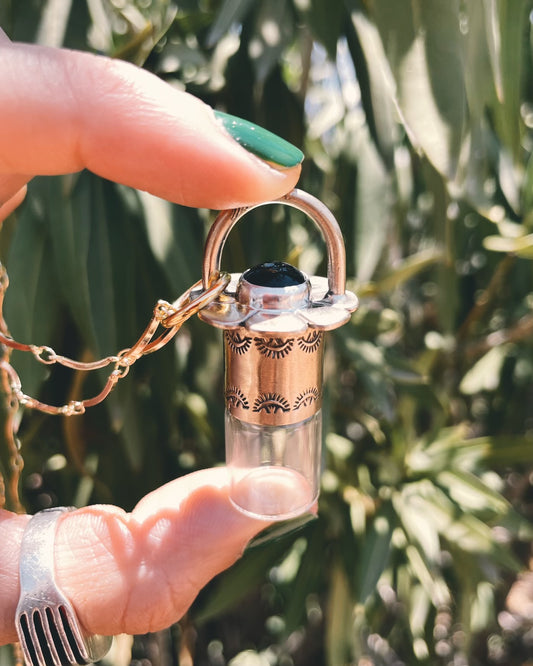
60, 112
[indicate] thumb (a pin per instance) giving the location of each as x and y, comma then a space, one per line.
140, 572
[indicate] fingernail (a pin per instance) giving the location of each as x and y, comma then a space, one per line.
259, 141
278, 530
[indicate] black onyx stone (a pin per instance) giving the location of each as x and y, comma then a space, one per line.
274, 274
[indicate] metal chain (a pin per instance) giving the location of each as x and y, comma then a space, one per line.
169, 316
11, 461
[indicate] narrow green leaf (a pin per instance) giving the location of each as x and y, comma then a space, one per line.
31, 304
419, 610
176, 236
471, 493
372, 369
376, 83
423, 45
232, 586
482, 608
231, 13
506, 22
521, 246
418, 522
472, 535
339, 619
325, 20
372, 209
484, 375
375, 552
71, 234
307, 579
409, 268
432, 582
480, 77
273, 32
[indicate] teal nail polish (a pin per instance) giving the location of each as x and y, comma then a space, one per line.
261, 142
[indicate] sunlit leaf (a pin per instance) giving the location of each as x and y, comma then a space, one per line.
521, 246
430, 579
339, 621
372, 209
482, 611
418, 522
377, 85
423, 45
505, 26
484, 375
471, 493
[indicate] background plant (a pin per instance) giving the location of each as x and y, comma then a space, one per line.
416, 119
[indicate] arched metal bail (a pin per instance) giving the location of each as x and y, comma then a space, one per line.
306, 203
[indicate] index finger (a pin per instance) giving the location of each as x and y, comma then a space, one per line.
62, 111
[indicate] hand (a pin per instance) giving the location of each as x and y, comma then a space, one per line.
63, 111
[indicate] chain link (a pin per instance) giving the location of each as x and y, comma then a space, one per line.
169, 316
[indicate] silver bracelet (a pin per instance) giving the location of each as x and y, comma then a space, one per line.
47, 625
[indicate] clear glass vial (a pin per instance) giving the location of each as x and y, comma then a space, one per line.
274, 318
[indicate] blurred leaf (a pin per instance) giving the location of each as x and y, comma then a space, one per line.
484, 375
77, 245
145, 31
423, 45
54, 20
409, 268
471, 493
232, 586
482, 610
175, 235
502, 450
454, 449
417, 522
374, 554
325, 20
376, 82
31, 305
521, 246
339, 618
430, 579
307, 578
505, 25
230, 14
371, 367
273, 32
479, 73
372, 209
419, 610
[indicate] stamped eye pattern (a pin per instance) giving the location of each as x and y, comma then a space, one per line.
274, 347
237, 343
271, 403
236, 398
311, 342
306, 398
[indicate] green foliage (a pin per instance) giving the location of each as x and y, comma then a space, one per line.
416, 118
